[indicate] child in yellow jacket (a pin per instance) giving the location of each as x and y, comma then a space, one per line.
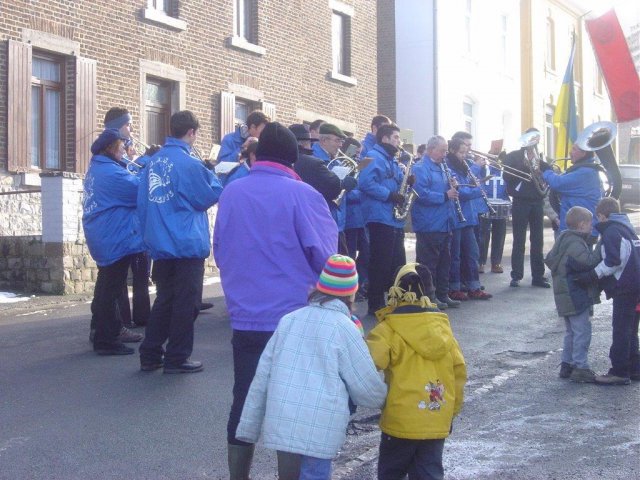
425, 373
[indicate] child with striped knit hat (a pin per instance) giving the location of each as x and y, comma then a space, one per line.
315, 360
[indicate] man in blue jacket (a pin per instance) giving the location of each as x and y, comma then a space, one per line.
272, 237
369, 140
113, 235
176, 189
379, 183
579, 186
432, 218
233, 143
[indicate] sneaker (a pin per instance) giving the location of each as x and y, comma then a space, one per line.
458, 295
582, 375
127, 336
479, 295
118, 349
514, 283
450, 302
481, 268
609, 379
497, 268
188, 366
565, 370
542, 282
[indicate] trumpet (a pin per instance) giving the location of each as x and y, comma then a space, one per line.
139, 146
342, 166
494, 161
530, 140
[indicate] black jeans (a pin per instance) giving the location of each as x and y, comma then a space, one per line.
247, 348
141, 302
386, 247
179, 293
105, 318
624, 355
358, 244
494, 231
421, 459
527, 213
432, 250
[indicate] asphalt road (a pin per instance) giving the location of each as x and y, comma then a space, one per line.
68, 414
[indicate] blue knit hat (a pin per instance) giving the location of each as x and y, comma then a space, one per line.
106, 138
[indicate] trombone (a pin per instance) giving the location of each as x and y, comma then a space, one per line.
494, 161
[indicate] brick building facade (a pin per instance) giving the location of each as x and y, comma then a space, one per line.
66, 62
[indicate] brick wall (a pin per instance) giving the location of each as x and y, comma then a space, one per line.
292, 74
386, 90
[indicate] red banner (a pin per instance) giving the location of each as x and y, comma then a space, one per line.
616, 64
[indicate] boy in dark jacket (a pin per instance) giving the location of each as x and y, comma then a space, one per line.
619, 275
573, 301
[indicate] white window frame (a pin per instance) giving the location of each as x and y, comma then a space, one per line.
346, 12
159, 15
550, 43
470, 119
549, 131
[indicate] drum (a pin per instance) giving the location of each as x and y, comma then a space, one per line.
502, 209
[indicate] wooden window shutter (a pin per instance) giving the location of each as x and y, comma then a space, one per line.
85, 103
269, 109
227, 113
19, 107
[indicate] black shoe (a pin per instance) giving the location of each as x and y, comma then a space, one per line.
541, 282
565, 370
205, 306
188, 366
450, 302
151, 366
514, 283
118, 349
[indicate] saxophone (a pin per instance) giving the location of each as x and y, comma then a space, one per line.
400, 212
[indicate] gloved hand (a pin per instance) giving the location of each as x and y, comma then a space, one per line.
152, 150
586, 279
349, 183
396, 198
544, 166
411, 180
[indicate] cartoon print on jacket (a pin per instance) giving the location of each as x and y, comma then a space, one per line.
436, 396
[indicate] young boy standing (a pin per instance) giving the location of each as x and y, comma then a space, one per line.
619, 275
574, 302
425, 373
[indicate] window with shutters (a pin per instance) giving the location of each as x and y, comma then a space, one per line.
550, 60
51, 111
47, 117
234, 110
157, 110
549, 131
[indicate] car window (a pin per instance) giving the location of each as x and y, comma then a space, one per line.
630, 171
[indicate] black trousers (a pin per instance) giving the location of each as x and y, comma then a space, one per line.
386, 255
527, 214
179, 293
141, 302
432, 250
492, 231
358, 246
105, 318
421, 459
247, 348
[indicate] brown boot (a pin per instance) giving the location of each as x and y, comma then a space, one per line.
497, 268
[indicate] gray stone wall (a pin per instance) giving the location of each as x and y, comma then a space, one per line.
20, 207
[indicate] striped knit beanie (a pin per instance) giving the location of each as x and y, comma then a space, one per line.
339, 277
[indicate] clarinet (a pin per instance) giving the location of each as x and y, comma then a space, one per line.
476, 183
456, 202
